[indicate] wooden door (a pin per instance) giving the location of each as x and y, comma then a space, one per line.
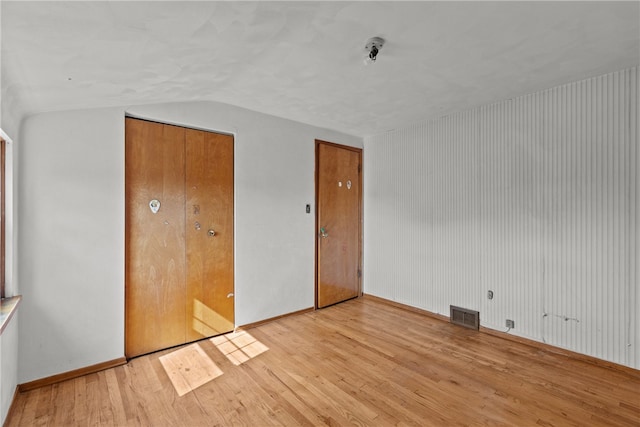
209, 189
338, 225
179, 276
155, 244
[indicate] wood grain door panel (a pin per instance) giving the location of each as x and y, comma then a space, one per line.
209, 189
339, 213
155, 244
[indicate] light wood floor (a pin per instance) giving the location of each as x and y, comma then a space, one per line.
362, 362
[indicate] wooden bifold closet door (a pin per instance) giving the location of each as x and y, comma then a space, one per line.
179, 280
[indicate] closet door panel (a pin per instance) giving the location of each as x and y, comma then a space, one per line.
155, 242
209, 233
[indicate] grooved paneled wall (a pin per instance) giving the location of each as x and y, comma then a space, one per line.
535, 198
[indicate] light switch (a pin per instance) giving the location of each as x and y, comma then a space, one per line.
308, 208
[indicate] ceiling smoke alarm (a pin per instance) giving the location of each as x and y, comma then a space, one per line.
373, 46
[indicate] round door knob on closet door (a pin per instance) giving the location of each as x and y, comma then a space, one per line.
211, 232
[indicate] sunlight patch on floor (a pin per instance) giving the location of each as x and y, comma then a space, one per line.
188, 368
239, 347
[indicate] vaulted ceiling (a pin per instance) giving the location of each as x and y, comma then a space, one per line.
304, 60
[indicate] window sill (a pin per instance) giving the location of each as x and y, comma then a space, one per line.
8, 307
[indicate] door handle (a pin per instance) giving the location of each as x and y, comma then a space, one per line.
323, 233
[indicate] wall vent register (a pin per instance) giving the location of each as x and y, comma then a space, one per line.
464, 317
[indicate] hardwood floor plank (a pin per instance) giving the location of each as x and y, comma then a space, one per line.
279, 392
363, 363
45, 406
28, 412
63, 400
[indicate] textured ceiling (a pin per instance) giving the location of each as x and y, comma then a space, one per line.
304, 60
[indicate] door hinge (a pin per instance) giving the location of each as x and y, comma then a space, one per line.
359, 273
359, 168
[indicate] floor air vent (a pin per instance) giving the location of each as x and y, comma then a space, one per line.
465, 317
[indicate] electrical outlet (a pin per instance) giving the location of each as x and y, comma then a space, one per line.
511, 324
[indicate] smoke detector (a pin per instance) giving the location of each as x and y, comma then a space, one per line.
373, 46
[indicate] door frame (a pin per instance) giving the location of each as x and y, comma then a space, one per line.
318, 143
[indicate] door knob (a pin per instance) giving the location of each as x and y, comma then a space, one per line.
154, 205
323, 233
211, 233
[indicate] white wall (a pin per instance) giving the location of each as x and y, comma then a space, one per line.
71, 241
535, 198
71, 257
8, 366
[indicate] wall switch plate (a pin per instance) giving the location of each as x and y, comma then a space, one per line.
510, 324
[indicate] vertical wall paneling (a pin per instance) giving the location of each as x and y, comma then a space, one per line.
534, 198
426, 230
